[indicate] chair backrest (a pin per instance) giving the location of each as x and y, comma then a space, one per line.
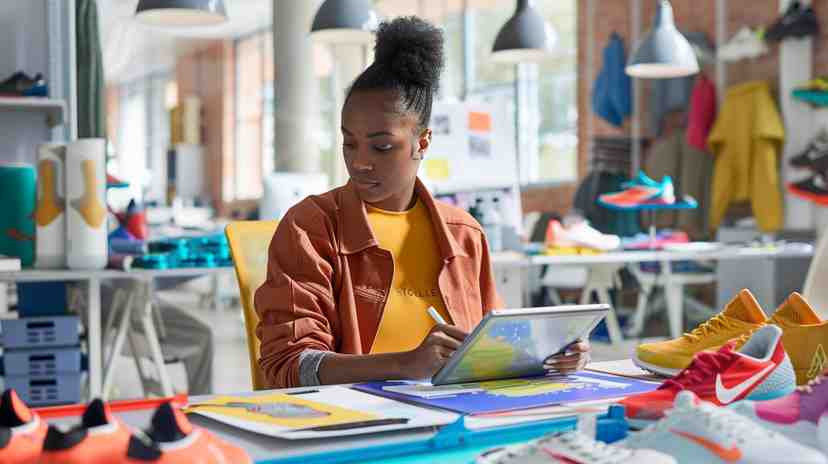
815, 290
249, 242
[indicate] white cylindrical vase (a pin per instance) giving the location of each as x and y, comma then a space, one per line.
86, 231
50, 215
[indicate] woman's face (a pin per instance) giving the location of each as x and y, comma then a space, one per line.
383, 147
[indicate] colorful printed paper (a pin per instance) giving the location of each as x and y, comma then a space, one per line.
280, 410
509, 395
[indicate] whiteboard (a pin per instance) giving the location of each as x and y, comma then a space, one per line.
472, 148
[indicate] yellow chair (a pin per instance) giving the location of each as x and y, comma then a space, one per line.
249, 242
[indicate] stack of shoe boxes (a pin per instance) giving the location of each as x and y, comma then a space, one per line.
42, 359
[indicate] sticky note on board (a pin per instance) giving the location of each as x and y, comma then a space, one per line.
437, 168
480, 122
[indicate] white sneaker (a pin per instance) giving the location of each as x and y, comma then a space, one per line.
570, 448
580, 234
745, 44
698, 431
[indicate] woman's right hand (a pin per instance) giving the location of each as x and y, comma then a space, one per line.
437, 347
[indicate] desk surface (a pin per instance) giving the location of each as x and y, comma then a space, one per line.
499, 260
721, 254
261, 447
43, 275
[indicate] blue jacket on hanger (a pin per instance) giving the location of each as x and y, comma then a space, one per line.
612, 92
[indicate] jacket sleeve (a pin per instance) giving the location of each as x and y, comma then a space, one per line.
488, 287
296, 303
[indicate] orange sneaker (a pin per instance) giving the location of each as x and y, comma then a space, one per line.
21, 431
173, 440
100, 438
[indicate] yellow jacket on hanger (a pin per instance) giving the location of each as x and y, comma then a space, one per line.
746, 142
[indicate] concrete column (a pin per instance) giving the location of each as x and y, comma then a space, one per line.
296, 110
349, 61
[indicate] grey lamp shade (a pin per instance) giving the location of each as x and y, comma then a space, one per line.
345, 21
664, 52
525, 37
181, 12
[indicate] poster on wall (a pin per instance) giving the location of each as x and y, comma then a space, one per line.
472, 148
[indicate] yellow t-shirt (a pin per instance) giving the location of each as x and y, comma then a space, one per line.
409, 236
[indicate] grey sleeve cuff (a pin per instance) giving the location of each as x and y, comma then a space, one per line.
309, 362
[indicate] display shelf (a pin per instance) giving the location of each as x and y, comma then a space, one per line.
55, 109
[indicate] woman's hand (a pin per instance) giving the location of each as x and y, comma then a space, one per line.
572, 360
440, 343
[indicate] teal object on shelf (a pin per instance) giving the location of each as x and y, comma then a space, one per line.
455, 444
814, 97
18, 191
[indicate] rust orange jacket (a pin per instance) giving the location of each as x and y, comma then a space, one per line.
328, 280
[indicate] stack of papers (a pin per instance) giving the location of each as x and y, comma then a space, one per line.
313, 415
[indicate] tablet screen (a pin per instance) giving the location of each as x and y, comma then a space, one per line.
508, 346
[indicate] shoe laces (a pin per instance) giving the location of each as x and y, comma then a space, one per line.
597, 452
720, 422
808, 388
703, 366
715, 324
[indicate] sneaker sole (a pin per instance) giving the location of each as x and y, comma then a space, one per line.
810, 196
658, 370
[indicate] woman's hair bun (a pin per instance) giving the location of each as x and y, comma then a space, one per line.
411, 49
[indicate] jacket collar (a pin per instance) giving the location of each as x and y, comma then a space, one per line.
355, 233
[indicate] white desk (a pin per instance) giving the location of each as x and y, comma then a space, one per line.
721, 254
94, 334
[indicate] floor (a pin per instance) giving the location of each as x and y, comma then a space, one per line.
231, 366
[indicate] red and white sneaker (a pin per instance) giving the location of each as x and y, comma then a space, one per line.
173, 440
21, 431
100, 437
760, 370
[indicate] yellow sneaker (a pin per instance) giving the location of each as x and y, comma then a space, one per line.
741, 316
804, 336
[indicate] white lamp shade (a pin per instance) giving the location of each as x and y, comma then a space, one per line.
181, 13
664, 52
345, 21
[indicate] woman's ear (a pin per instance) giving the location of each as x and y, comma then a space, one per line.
423, 143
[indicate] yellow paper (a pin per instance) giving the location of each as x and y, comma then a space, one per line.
437, 168
283, 410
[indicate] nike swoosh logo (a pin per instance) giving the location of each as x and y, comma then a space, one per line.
727, 395
731, 454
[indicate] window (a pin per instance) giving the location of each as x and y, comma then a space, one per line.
558, 96
250, 104
142, 140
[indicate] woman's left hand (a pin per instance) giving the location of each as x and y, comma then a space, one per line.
572, 360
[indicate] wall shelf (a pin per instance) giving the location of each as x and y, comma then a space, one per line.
54, 109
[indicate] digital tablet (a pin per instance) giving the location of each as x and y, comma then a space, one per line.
511, 343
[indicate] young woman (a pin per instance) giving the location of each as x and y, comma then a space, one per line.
352, 272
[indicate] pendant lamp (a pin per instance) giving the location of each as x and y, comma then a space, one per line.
664, 52
525, 37
181, 12
345, 21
